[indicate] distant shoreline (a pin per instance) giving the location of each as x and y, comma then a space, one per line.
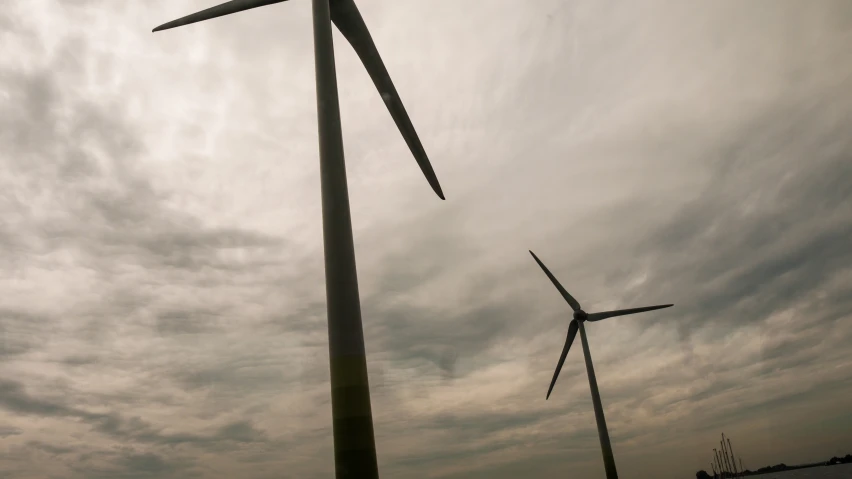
834, 461
761, 472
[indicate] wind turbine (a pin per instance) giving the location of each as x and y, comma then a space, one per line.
354, 440
580, 317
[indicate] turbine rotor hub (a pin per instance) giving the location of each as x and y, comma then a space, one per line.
580, 315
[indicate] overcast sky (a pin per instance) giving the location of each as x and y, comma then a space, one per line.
162, 298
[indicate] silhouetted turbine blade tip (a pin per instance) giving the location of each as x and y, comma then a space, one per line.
572, 333
164, 26
548, 393
437, 188
220, 10
624, 312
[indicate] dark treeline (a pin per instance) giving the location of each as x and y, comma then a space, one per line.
847, 459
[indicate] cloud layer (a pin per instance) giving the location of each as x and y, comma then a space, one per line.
162, 306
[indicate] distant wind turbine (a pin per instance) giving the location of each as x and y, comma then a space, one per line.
580, 317
354, 439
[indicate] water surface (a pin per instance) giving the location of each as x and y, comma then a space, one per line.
841, 471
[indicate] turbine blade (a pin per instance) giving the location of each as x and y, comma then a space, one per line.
573, 302
347, 19
572, 331
622, 312
226, 8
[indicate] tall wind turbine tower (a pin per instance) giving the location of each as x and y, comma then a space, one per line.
354, 440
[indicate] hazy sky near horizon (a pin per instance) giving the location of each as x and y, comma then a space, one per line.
162, 299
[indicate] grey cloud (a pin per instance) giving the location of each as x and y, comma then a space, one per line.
445, 332
185, 322
20, 331
119, 222
471, 428
789, 244
135, 430
426, 335
51, 449
6, 431
14, 398
80, 360
241, 431
145, 463
132, 465
232, 377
